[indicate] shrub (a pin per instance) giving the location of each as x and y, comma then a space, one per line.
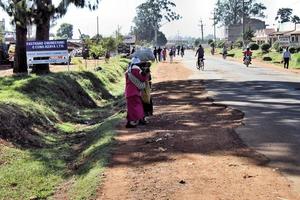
97, 51
238, 44
220, 44
265, 47
277, 46
293, 49
210, 41
213, 44
267, 58
253, 46
298, 49
231, 55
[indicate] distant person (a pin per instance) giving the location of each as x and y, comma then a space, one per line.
159, 51
286, 58
133, 50
174, 51
182, 50
164, 54
178, 50
171, 54
155, 52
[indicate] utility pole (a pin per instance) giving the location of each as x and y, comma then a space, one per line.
97, 25
243, 23
201, 27
214, 24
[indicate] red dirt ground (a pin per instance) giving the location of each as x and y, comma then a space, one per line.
188, 151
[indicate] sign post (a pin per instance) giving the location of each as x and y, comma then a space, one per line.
47, 52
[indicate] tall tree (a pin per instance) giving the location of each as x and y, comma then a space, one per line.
161, 39
231, 11
284, 15
152, 14
65, 31
19, 11
40, 13
46, 11
296, 20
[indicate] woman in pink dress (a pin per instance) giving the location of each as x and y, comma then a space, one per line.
135, 111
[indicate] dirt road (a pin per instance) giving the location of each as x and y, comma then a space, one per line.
189, 150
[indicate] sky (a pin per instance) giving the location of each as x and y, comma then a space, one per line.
114, 13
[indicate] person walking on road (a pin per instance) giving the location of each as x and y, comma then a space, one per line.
286, 58
171, 54
155, 52
164, 54
182, 51
159, 50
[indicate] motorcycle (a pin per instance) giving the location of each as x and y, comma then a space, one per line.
224, 55
247, 60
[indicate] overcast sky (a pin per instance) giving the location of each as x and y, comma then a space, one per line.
121, 12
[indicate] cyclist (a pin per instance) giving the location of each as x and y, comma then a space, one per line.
224, 51
200, 53
247, 53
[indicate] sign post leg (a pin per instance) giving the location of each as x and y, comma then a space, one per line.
68, 64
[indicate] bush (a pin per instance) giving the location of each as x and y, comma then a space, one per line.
265, 47
277, 46
298, 49
231, 55
210, 41
220, 44
97, 51
213, 44
293, 50
253, 46
267, 58
238, 44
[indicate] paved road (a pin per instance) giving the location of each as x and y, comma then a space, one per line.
270, 100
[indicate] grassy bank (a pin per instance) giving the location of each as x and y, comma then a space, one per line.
275, 57
56, 131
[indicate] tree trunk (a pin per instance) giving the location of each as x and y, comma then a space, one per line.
42, 33
20, 61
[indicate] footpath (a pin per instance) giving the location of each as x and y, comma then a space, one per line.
190, 150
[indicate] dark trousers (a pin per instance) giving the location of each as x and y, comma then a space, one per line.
286, 62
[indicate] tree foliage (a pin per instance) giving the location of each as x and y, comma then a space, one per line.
284, 15
248, 36
40, 13
150, 17
231, 11
65, 31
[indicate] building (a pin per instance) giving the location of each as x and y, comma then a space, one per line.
295, 38
235, 31
263, 35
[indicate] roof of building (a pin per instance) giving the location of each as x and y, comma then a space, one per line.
281, 32
295, 32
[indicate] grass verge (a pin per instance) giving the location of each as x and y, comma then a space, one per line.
56, 130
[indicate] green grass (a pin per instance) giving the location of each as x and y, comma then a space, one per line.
275, 56
60, 127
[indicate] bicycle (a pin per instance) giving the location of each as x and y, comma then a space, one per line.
200, 64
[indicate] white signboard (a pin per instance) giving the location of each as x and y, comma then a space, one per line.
47, 52
129, 39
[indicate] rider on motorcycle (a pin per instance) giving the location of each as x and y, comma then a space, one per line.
224, 51
200, 53
248, 53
